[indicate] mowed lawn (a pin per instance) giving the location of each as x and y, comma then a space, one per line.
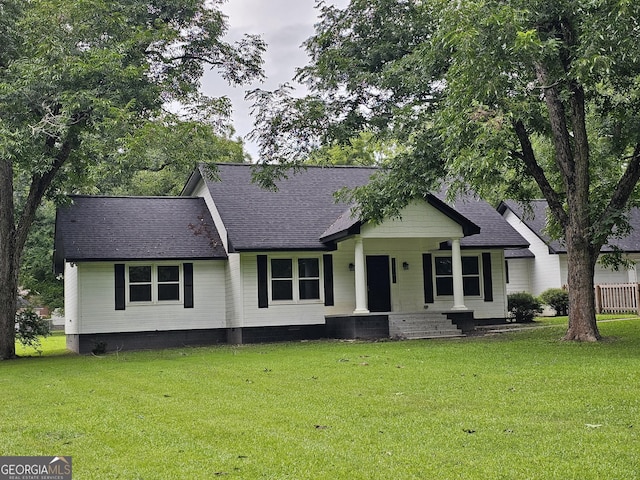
520, 405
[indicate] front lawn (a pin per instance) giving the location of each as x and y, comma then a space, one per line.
520, 405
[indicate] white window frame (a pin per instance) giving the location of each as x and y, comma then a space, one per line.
155, 283
478, 276
295, 279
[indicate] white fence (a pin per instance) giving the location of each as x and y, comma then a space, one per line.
618, 298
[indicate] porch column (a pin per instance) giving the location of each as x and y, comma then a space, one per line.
361, 281
456, 267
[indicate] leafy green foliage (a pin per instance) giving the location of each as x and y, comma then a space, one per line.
85, 83
30, 328
363, 150
556, 298
523, 306
36, 273
159, 158
514, 99
616, 259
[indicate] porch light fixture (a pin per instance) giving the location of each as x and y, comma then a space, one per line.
352, 267
405, 266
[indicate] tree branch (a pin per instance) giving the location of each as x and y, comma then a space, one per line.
624, 188
154, 169
528, 157
559, 130
39, 186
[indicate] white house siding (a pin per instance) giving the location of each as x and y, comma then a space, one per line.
551, 270
344, 280
96, 307
419, 220
282, 313
545, 271
519, 275
632, 273
71, 296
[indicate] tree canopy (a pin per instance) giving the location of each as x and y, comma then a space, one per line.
81, 81
513, 99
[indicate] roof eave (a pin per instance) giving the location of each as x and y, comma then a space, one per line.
329, 247
140, 259
192, 181
58, 250
343, 234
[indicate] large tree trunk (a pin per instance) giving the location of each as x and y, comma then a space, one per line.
8, 300
8, 264
582, 310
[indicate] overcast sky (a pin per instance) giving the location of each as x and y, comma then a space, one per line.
284, 25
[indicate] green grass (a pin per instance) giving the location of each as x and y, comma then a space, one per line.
53, 345
519, 405
603, 318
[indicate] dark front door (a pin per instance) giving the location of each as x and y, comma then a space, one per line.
378, 283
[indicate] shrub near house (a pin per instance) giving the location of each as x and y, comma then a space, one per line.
523, 306
556, 298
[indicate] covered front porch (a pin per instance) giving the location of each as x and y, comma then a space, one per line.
417, 276
403, 288
405, 264
380, 276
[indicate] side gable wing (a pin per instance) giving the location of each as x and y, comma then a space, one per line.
135, 228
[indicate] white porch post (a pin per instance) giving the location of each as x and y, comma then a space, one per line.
456, 267
361, 283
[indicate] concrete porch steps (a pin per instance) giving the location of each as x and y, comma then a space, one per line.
422, 325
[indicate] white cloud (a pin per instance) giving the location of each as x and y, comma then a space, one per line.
284, 25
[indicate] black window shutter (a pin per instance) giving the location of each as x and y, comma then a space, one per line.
187, 268
327, 261
263, 281
427, 275
120, 285
486, 277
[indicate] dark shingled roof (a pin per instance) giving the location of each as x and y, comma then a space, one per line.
303, 214
293, 218
95, 228
537, 220
495, 231
344, 225
519, 253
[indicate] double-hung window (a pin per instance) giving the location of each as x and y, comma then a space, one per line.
309, 278
168, 282
294, 279
470, 276
154, 283
282, 279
